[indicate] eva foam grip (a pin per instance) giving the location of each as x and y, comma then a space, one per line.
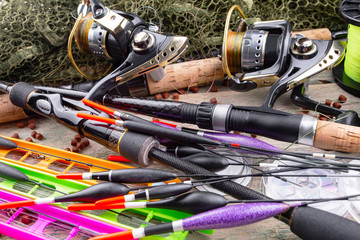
135, 147
337, 136
232, 188
311, 223
19, 94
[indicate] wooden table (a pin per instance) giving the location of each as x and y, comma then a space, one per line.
58, 136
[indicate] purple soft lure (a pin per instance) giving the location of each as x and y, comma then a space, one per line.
234, 215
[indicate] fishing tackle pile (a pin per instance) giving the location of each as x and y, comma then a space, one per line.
145, 147
135, 49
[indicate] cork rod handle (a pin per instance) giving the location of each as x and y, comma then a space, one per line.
187, 74
336, 136
318, 34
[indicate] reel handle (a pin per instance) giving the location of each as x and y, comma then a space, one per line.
336, 136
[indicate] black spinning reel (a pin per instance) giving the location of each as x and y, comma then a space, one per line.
264, 54
127, 41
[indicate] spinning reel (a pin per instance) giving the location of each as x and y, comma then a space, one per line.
127, 41
265, 54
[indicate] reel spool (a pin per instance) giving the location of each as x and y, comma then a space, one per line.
256, 54
347, 74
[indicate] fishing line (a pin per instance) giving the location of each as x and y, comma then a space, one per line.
333, 199
260, 170
312, 200
294, 154
229, 177
156, 13
352, 63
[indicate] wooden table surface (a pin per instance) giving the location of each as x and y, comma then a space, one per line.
56, 135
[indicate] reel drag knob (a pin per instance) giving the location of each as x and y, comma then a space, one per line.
142, 41
303, 48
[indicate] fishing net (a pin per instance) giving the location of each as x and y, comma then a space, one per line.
33, 33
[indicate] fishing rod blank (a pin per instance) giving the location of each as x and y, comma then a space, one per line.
153, 130
217, 163
226, 117
135, 175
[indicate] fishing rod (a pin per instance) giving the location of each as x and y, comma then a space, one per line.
226, 117
154, 175
194, 202
153, 130
64, 110
217, 163
243, 140
220, 162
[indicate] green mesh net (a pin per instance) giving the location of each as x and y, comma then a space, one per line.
34, 33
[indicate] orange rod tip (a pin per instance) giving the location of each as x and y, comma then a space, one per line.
119, 199
70, 176
117, 158
82, 206
168, 124
98, 106
17, 204
124, 235
96, 118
